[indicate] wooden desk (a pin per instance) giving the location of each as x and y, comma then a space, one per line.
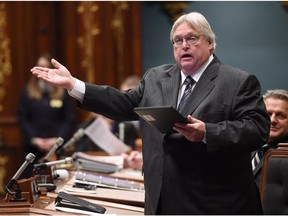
49, 209
130, 174
134, 198
115, 201
111, 207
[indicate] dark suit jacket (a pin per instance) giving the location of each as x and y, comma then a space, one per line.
196, 178
258, 168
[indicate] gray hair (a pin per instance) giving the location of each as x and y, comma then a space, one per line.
276, 94
197, 22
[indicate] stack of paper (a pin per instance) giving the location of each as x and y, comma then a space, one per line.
97, 163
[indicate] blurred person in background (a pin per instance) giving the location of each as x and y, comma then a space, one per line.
130, 129
44, 113
276, 102
133, 160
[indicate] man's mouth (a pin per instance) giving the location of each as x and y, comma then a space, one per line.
186, 56
273, 129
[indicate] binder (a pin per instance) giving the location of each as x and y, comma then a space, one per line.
163, 118
95, 166
110, 182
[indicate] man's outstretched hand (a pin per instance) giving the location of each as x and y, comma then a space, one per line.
59, 76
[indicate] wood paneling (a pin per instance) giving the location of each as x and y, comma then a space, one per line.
57, 27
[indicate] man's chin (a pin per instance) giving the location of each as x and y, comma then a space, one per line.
274, 137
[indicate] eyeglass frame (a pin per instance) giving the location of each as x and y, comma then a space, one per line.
180, 40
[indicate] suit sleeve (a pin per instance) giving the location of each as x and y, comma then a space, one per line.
111, 102
248, 127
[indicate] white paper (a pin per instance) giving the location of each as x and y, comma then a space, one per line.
99, 132
79, 190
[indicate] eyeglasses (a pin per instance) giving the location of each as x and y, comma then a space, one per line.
191, 40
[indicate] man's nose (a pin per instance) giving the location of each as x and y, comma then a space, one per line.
273, 117
185, 43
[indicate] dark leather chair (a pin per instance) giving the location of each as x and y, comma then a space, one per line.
274, 181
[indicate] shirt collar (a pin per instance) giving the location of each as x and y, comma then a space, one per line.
196, 76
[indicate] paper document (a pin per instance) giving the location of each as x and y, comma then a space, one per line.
99, 132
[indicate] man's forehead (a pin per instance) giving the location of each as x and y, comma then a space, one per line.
186, 27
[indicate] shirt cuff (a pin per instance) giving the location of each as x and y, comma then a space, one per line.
78, 91
204, 139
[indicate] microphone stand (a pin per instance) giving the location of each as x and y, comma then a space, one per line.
44, 170
17, 191
14, 183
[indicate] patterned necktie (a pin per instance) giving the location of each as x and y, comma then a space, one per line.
259, 155
189, 81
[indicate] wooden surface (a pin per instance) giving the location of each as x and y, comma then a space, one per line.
111, 207
135, 198
131, 174
100, 42
120, 202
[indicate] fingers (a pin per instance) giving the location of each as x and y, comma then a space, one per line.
35, 70
133, 155
55, 63
191, 119
39, 71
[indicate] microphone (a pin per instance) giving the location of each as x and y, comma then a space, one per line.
67, 160
121, 131
76, 136
29, 159
59, 142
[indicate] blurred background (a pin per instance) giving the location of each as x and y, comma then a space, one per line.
104, 42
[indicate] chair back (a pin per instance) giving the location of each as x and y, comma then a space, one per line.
274, 181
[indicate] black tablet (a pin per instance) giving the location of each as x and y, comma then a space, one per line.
161, 117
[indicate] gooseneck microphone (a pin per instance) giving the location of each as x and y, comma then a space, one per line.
29, 159
67, 160
76, 136
122, 131
58, 143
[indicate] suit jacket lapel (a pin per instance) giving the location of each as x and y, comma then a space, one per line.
203, 87
170, 86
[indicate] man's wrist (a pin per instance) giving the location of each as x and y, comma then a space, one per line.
72, 86
78, 90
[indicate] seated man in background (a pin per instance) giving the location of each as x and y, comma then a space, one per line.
276, 102
130, 129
